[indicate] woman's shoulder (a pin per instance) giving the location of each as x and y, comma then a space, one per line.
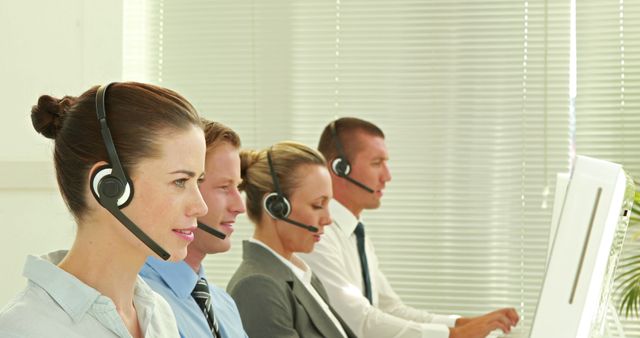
259, 269
32, 312
251, 276
261, 291
30, 298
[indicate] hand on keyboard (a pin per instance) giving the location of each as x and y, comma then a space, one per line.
495, 334
490, 325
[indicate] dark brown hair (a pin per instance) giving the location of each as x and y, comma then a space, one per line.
345, 127
216, 133
140, 116
286, 157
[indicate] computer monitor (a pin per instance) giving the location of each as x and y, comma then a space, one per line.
591, 220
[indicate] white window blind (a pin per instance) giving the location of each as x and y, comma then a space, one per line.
142, 40
203, 50
473, 97
608, 94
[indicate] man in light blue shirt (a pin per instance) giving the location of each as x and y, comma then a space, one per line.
176, 282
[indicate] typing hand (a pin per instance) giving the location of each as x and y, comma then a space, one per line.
482, 326
495, 334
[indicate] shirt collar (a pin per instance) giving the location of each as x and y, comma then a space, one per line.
73, 296
179, 276
343, 218
145, 301
303, 275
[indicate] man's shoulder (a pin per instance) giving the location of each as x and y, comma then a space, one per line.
152, 277
220, 295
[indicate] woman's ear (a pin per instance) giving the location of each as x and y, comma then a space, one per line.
91, 189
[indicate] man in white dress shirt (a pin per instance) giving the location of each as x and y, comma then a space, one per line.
357, 158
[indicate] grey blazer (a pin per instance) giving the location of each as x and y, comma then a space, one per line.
273, 303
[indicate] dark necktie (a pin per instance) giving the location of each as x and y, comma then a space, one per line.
202, 297
363, 261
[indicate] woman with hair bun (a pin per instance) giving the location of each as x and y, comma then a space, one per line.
287, 190
128, 160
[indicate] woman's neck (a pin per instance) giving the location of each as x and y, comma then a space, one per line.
106, 264
267, 234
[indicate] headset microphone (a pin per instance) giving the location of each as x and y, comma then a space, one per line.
120, 216
211, 230
361, 185
304, 226
110, 184
277, 204
340, 165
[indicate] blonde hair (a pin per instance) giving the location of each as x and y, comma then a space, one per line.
216, 133
286, 158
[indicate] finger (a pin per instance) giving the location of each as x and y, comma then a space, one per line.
504, 320
496, 314
513, 316
498, 324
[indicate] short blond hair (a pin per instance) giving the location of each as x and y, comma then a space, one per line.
216, 133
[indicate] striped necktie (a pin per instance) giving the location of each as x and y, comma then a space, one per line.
202, 297
364, 266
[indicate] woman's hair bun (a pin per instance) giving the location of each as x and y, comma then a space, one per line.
247, 159
48, 114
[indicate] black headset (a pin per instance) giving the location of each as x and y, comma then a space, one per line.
110, 184
340, 165
277, 205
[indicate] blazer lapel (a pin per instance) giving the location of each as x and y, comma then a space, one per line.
315, 282
317, 315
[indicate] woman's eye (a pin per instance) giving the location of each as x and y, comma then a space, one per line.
180, 183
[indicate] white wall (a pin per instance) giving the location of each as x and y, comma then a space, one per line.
46, 47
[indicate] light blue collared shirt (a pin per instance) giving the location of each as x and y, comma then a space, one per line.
57, 304
175, 281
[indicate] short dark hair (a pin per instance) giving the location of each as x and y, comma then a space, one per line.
344, 126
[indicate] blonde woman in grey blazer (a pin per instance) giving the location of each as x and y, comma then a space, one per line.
287, 189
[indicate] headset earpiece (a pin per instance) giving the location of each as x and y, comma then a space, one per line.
341, 166
110, 184
103, 183
277, 206
276, 203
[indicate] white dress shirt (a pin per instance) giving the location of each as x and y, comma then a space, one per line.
304, 275
336, 262
57, 304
